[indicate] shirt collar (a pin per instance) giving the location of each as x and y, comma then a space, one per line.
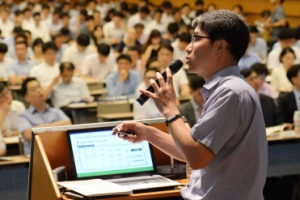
32, 109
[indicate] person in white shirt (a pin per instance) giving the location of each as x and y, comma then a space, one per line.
38, 30
167, 16
102, 7
90, 6
6, 26
180, 80
286, 38
9, 111
257, 44
47, 71
140, 35
135, 54
54, 24
27, 19
5, 61
184, 39
141, 17
115, 29
148, 110
156, 23
45, 13
76, 53
99, 65
185, 11
199, 8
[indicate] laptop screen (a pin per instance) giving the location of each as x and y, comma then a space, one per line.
98, 153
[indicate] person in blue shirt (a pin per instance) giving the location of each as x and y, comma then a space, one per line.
39, 114
248, 59
123, 82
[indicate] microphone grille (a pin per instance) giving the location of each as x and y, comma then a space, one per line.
175, 66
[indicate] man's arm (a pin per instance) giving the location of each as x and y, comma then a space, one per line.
48, 89
16, 80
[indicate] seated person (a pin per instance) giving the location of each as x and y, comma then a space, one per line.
67, 88
264, 87
20, 68
2, 146
5, 61
136, 61
257, 44
192, 109
99, 65
124, 81
184, 39
39, 114
180, 80
270, 114
288, 103
128, 40
9, 111
48, 70
148, 110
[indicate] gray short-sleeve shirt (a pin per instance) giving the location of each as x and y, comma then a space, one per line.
232, 126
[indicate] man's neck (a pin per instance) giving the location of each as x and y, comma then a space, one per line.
22, 60
50, 64
41, 106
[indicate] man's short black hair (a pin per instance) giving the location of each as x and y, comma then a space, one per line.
17, 43
135, 48
173, 28
139, 25
293, 72
65, 31
89, 18
18, 12
2, 87
167, 46
226, 25
125, 57
118, 14
185, 37
260, 69
36, 14
25, 10
3, 48
253, 29
21, 35
103, 49
83, 40
246, 72
64, 14
285, 51
166, 4
286, 34
199, 3
195, 81
24, 85
66, 65
83, 12
36, 42
17, 30
45, 6
144, 9
49, 45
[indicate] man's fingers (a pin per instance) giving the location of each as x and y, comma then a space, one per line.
160, 79
154, 85
169, 77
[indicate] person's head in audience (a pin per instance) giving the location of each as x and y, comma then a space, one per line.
66, 7
82, 42
103, 50
97, 33
66, 34
211, 7
173, 29
238, 9
28, 35
154, 38
184, 39
91, 4
185, 9
18, 18
199, 5
149, 74
165, 55
21, 38
109, 15
45, 12
21, 51
139, 28
287, 57
17, 30
142, 3
153, 63
56, 16
167, 7
118, 18
124, 63
97, 17
89, 23
135, 54
65, 19
5, 95
3, 51
27, 14
5, 12
253, 34
293, 75
144, 12
32, 91
177, 16
50, 51
287, 37
157, 15
37, 46
251, 77
196, 83
82, 14
66, 72
37, 18
58, 40
262, 72
130, 36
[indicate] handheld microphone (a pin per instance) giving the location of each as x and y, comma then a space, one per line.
174, 67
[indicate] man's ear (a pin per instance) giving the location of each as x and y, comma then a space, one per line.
221, 46
293, 79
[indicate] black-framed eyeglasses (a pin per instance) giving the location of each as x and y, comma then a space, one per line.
196, 38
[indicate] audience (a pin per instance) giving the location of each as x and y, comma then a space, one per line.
248, 59
257, 44
142, 17
39, 114
192, 110
5, 61
156, 23
37, 46
180, 45
99, 65
278, 77
151, 46
39, 30
9, 111
136, 62
128, 40
115, 29
148, 110
124, 81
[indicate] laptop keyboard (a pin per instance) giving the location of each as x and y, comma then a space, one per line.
141, 181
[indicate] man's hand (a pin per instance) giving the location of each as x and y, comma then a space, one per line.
123, 75
5, 107
55, 80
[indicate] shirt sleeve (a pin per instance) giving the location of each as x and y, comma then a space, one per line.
23, 123
85, 66
114, 87
216, 126
84, 89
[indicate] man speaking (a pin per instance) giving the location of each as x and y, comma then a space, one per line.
227, 147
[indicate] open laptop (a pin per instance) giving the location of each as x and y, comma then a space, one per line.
96, 153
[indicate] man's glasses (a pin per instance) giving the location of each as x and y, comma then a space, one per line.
197, 38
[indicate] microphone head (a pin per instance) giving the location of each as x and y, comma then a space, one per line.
175, 66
